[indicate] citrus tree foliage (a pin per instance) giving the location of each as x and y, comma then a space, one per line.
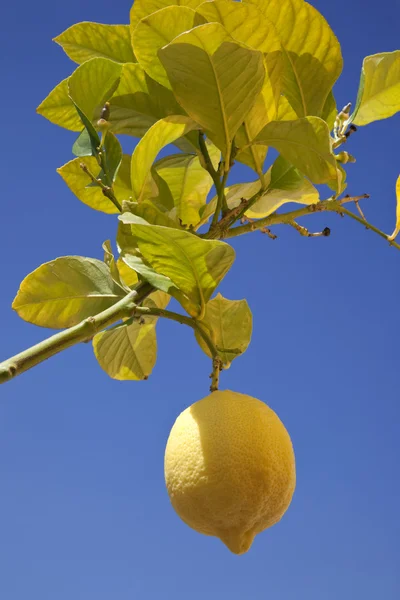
211, 84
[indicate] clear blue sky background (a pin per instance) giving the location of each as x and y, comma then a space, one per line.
83, 509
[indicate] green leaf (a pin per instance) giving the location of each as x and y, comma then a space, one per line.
88, 137
144, 8
379, 91
313, 59
92, 84
156, 31
195, 266
206, 63
188, 183
63, 292
113, 155
83, 145
127, 352
229, 323
164, 132
59, 109
306, 144
79, 183
84, 41
397, 229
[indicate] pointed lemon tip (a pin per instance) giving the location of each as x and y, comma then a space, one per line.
238, 543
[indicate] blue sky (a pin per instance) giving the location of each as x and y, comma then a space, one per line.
83, 508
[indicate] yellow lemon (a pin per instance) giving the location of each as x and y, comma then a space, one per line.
230, 468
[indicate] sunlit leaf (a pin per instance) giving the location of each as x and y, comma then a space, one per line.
156, 31
188, 184
379, 91
397, 230
79, 183
111, 263
286, 184
285, 111
151, 212
158, 281
143, 8
229, 324
128, 275
139, 102
206, 63
127, 352
306, 144
246, 24
329, 112
86, 40
164, 132
194, 265
93, 83
59, 109
63, 292
313, 59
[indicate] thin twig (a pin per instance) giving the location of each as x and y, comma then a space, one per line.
217, 368
107, 190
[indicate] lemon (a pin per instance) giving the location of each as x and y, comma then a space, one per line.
230, 468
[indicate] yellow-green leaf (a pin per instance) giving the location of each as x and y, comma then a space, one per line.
285, 184
128, 275
152, 212
80, 184
63, 292
397, 229
285, 111
313, 59
93, 83
86, 40
156, 31
195, 266
164, 132
246, 24
306, 144
229, 323
157, 299
157, 280
329, 112
207, 64
127, 352
111, 263
144, 8
59, 109
188, 183
379, 91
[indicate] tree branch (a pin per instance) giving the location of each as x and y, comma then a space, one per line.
74, 335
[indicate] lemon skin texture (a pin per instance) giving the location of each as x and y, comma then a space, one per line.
230, 468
